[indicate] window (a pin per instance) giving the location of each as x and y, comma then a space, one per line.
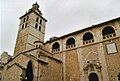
40, 21
36, 25
29, 71
70, 43
27, 18
37, 19
108, 32
23, 20
23, 26
55, 47
88, 38
26, 25
36, 46
39, 28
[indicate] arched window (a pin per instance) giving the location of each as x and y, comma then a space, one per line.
29, 71
23, 26
108, 32
23, 20
39, 28
55, 47
36, 46
36, 25
88, 38
40, 21
26, 25
70, 43
93, 77
27, 18
37, 19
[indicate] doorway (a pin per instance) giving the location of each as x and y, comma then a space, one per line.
93, 77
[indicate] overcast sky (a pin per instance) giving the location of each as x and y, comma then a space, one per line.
64, 16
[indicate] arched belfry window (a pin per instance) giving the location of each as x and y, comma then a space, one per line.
37, 19
26, 25
40, 21
93, 77
36, 25
39, 28
29, 72
23, 26
108, 32
88, 38
56, 47
23, 20
70, 43
27, 18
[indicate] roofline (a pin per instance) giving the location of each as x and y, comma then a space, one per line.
35, 13
97, 25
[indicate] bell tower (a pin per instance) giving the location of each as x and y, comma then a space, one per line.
31, 28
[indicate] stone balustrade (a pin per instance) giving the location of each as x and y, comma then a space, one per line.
109, 36
70, 46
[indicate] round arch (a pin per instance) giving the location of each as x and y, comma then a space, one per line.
108, 30
93, 77
56, 45
70, 41
87, 36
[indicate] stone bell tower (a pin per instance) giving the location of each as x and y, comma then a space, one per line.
31, 29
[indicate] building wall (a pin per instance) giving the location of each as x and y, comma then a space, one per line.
75, 62
51, 71
46, 66
75, 59
112, 60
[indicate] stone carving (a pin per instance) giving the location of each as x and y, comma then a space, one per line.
91, 62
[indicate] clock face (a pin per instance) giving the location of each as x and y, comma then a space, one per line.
111, 48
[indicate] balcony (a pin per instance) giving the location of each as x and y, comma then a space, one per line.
109, 35
55, 50
88, 41
70, 46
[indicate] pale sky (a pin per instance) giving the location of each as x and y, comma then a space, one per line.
64, 16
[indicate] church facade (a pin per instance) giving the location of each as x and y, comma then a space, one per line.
90, 54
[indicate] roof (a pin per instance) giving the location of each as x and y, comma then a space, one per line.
93, 26
34, 12
17, 64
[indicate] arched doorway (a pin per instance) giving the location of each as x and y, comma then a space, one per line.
93, 77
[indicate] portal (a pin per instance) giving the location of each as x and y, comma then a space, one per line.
93, 77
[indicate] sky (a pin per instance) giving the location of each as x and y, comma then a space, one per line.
64, 16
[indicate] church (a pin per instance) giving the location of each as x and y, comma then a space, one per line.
89, 54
